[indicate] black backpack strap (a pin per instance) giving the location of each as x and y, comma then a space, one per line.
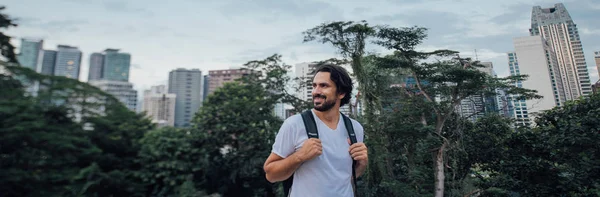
352, 136
311, 132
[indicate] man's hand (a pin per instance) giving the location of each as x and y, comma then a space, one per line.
310, 149
359, 152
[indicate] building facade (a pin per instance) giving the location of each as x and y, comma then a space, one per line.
557, 27
96, 66
535, 57
219, 77
160, 105
477, 106
29, 53
121, 90
46, 66
205, 81
68, 62
186, 84
110, 65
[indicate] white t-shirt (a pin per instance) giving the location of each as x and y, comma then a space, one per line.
327, 175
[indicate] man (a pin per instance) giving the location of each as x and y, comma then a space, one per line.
323, 166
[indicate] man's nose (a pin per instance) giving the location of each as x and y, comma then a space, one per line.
316, 90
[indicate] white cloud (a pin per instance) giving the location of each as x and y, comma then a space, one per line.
588, 31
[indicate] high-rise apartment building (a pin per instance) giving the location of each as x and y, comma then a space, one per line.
121, 90
305, 73
535, 57
160, 105
68, 62
219, 77
187, 86
557, 27
29, 53
110, 65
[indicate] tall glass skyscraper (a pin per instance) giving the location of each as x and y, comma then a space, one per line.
557, 27
48, 62
110, 65
96, 66
29, 53
68, 62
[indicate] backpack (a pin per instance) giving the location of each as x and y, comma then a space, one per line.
311, 131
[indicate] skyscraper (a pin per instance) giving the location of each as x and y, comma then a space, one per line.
29, 53
48, 62
110, 65
187, 86
476, 106
557, 27
116, 65
304, 72
597, 58
96, 66
534, 57
596, 87
160, 105
206, 81
68, 62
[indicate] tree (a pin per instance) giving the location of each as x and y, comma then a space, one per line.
41, 148
558, 157
443, 83
6, 49
239, 127
169, 161
350, 38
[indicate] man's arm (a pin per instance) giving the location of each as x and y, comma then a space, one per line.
361, 166
279, 169
359, 152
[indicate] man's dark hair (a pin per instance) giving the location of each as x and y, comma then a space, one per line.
341, 78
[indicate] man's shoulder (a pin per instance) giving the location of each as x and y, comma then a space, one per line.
294, 119
355, 122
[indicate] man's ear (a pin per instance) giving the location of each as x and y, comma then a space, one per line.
341, 95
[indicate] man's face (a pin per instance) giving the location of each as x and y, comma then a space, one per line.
324, 92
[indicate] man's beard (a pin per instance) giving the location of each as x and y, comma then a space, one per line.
326, 105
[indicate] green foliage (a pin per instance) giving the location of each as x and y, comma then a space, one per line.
6, 48
558, 157
41, 148
239, 128
169, 160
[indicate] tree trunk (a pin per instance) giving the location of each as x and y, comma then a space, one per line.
439, 171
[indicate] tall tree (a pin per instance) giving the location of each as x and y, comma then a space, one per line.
6, 48
350, 38
443, 83
239, 126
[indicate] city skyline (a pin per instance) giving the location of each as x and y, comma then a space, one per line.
487, 27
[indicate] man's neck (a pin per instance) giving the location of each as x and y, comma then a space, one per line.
329, 116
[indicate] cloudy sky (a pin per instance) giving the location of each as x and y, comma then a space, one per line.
165, 35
